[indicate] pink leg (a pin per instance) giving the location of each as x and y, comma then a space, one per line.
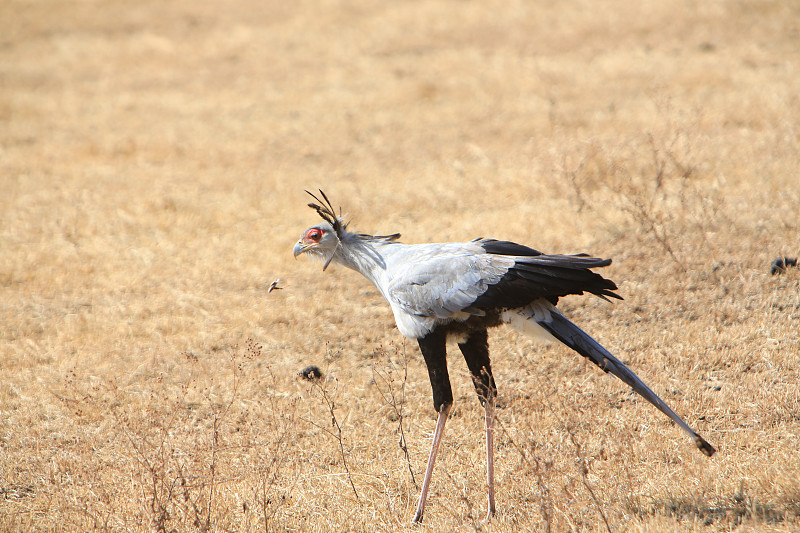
489, 406
426, 482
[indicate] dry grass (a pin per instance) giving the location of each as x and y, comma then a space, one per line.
152, 162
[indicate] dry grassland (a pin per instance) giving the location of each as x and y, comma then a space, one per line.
153, 157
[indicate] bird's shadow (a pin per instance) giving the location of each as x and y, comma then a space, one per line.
740, 509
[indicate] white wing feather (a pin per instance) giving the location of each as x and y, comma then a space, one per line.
443, 280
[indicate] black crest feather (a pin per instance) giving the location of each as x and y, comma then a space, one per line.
325, 210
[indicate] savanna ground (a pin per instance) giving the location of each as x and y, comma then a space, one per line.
153, 157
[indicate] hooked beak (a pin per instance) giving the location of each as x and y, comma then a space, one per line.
301, 247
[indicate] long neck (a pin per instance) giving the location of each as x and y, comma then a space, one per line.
366, 255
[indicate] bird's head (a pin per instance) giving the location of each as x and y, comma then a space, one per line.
322, 241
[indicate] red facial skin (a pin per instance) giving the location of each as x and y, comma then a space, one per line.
313, 235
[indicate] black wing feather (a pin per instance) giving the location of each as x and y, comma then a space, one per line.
493, 246
536, 275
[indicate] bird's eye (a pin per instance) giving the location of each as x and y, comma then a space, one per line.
314, 234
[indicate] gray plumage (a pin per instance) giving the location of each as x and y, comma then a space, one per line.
428, 285
463, 288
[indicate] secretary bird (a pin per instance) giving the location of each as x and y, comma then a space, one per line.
461, 289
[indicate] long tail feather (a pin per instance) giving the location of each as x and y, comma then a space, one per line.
577, 339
